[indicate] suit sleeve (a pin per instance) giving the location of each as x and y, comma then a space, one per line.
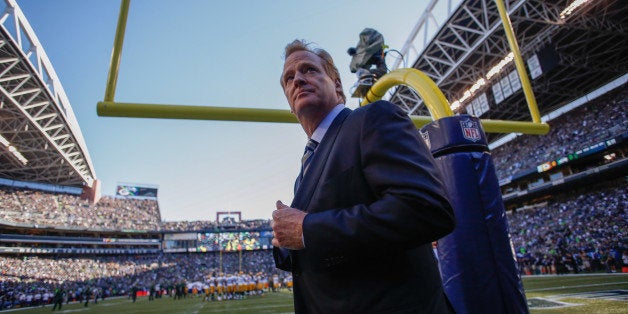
282, 257
409, 206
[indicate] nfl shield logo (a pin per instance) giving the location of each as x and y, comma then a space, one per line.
470, 130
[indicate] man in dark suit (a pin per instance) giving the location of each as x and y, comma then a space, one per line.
367, 206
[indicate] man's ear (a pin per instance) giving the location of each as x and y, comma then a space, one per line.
338, 86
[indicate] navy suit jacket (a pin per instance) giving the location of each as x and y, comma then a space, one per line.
375, 203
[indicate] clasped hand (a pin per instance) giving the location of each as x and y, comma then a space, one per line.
287, 227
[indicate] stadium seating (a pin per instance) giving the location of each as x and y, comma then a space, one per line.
595, 121
46, 209
580, 231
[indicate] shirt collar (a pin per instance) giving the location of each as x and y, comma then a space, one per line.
322, 128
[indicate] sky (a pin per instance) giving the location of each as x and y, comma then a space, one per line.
202, 53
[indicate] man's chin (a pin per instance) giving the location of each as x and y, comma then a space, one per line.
304, 104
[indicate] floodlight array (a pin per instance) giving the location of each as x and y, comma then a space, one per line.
13, 152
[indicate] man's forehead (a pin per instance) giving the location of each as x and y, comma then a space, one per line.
302, 56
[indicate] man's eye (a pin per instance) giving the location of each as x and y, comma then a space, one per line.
311, 69
289, 78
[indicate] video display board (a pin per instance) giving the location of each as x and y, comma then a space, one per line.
136, 191
233, 241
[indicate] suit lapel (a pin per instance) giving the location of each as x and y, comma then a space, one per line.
303, 195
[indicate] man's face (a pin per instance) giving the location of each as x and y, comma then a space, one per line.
307, 86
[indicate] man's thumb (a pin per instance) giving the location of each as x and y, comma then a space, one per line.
281, 205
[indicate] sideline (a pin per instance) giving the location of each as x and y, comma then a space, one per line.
63, 311
578, 286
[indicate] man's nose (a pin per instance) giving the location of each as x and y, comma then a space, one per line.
299, 79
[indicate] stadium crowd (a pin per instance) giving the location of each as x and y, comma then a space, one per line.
588, 124
45, 209
580, 231
23, 278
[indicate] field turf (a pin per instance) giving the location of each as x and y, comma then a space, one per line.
598, 293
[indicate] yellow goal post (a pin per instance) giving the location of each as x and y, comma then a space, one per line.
432, 96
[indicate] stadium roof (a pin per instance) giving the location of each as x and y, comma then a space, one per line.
40, 140
578, 51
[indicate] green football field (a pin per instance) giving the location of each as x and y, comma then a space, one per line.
599, 293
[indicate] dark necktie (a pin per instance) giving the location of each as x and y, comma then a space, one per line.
305, 161
307, 155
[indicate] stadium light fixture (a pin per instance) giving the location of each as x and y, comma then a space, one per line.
17, 156
572, 7
498, 68
482, 81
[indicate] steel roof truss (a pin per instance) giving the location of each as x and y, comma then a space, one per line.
26, 98
39, 112
44, 116
472, 26
449, 60
7, 60
67, 146
44, 126
26, 91
452, 45
20, 84
36, 104
13, 61
459, 36
482, 26
15, 77
437, 72
58, 129
465, 30
540, 13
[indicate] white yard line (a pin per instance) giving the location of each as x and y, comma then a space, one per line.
561, 304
